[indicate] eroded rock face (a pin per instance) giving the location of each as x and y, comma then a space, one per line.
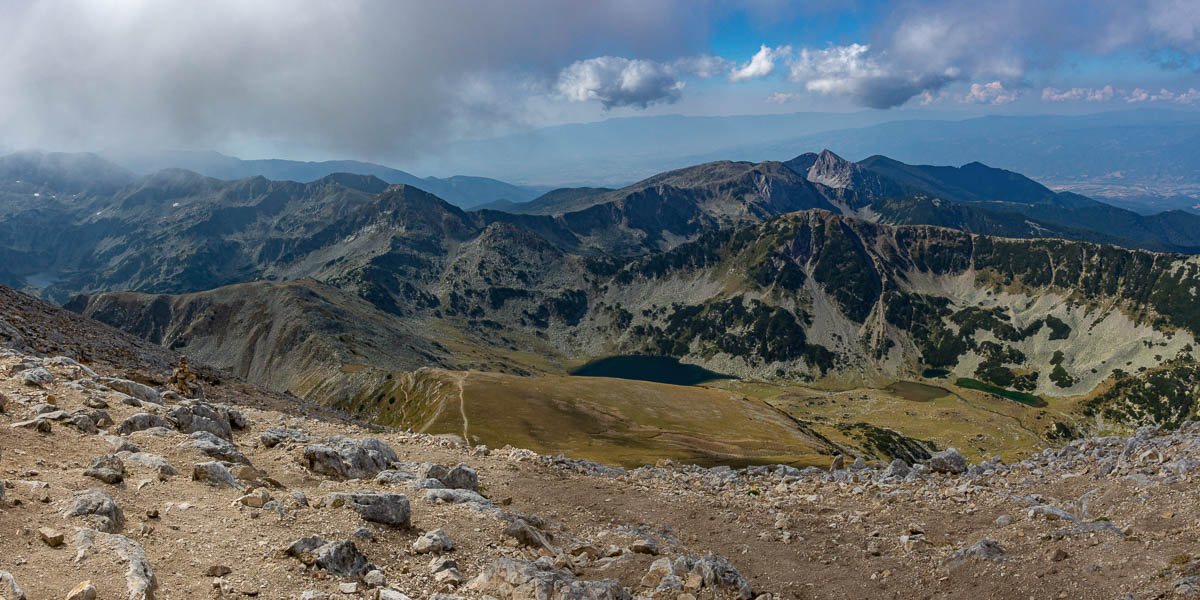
341, 559
97, 507
346, 458
521, 579
139, 576
389, 509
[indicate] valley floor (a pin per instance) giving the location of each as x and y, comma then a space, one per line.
1103, 518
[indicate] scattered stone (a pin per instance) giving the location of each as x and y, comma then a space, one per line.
348, 587
644, 545
215, 447
9, 590
441, 563
984, 549
276, 436
461, 477
345, 458
898, 468
394, 477
341, 559
448, 577
1003, 521
154, 462
83, 591
1051, 513
389, 509
256, 499
524, 534
455, 497
141, 392
51, 537
99, 508
435, 541
217, 571
139, 577
192, 417
214, 474
39, 425
37, 377
141, 422
108, 468
375, 579
519, 578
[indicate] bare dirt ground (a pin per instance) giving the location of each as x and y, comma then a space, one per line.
1111, 518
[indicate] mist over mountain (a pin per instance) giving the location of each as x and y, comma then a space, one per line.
460, 190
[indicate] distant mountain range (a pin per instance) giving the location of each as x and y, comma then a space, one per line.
1144, 159
460, 190
815, 268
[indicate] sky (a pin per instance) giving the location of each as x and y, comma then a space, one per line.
390, 80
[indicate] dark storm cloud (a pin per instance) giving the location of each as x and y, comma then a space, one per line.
361, 78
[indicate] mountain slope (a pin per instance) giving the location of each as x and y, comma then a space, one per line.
808, 296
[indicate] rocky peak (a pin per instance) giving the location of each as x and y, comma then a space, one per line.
834, 171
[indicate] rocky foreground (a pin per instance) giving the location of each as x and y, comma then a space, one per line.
177, 487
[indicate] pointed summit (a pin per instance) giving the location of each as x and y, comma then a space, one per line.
834, 171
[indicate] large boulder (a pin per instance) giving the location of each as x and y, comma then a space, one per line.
108, 468
154, 462
340, 559
215, 447
98, 508
214, 474
462, 477
716, 572
948, 461
346, 458
389, 509
137, 390
141, 422
191, 417
520, 579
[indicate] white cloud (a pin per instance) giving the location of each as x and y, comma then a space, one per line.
783, 97
761, 64
703, 66
990, 93
854, 71
1192, 96
1140, 95
1085, 94
616, 81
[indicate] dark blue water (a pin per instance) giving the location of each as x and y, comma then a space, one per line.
660, 369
